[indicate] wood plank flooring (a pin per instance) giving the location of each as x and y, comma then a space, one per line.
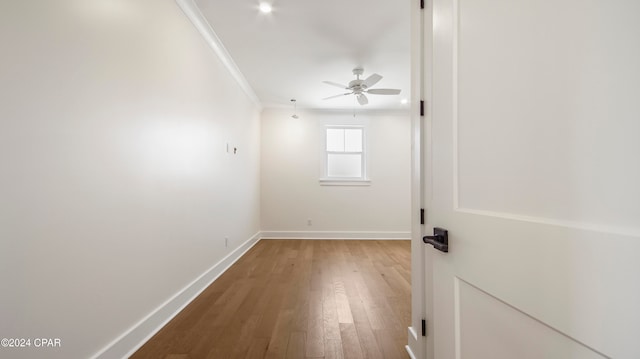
298, 299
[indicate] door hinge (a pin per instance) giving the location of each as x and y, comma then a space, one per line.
424, 327
421, 107
421, 215
422, 4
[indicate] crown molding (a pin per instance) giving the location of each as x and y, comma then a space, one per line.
193, 13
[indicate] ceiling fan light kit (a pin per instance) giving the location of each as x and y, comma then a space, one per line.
360, 88
295, 109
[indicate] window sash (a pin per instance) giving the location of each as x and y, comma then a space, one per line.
343, 165
329, 153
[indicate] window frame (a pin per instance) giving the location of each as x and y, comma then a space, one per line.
327, 180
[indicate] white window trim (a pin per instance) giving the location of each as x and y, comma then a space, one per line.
345, 181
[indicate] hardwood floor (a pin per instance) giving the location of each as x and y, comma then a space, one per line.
298, 299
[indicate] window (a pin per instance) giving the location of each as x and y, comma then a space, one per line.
344, 154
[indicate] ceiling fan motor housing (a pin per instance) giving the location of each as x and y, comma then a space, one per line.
357, 86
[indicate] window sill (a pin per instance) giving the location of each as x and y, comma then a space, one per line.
344, 182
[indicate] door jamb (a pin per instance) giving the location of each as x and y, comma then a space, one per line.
421, 267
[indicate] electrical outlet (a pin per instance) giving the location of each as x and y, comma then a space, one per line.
309, 222
226, 241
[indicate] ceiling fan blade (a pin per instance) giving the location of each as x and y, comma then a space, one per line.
342, 94
335, 84
383, 91
372, 80
362, 99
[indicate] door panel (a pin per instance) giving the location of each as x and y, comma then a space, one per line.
535, 172
490, 328
547, 104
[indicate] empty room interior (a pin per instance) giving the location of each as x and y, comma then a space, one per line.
154, 144
185, 179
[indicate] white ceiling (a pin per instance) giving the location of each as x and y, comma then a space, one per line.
289, 52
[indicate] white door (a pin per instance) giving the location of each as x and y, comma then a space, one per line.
535, 171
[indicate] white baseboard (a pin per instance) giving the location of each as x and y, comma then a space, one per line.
336, 235
413, 334
412, 346
410, 352
131, 340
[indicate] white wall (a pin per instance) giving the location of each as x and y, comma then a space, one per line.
115, 190
291, 167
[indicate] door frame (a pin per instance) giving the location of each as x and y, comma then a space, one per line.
421, 265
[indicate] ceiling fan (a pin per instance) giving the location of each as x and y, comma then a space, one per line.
361, 87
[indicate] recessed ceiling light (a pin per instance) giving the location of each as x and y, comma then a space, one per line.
265, 7
404, 101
